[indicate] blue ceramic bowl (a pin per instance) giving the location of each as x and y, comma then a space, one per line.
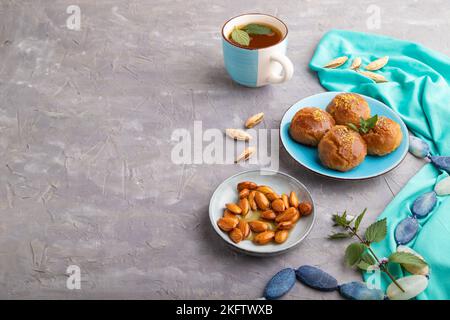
371, 167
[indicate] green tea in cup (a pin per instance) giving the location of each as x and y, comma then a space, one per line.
255, 36
254, 50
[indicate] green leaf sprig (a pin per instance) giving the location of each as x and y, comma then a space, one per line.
406, 258
242, 36
364, 125
360, 254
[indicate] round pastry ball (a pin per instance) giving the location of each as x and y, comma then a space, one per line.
348, 108
384, 137
342, 149
309, 125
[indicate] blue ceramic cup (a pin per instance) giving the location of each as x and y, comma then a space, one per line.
256, 67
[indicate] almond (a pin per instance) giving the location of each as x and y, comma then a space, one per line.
285, 225
244, 205
246, 185
226, 224
254, 120
377, 64
305, 208
268, 215
296, 217
278, 205
244, 193
293, 200
230, 215
285, 199
264, 189
258, 226
236, 235
286, 215
264, 237
238, 134
244, 227
272, 196
234, 208
251, 200
281, 236
336, 62
261, 200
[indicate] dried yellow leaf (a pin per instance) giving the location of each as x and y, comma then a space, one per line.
238, 134
356, 63
254, 120
377, 64
246, 154
374, 76
336, 62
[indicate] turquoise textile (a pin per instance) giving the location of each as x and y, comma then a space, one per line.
418, 89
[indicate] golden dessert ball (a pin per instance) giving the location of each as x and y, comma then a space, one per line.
384, 137
342, 149
309, 125
348, 108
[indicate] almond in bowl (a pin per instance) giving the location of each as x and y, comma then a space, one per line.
270, 221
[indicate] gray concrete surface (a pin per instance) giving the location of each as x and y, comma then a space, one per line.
86, 119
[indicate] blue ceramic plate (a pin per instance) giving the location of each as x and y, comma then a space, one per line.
371, 167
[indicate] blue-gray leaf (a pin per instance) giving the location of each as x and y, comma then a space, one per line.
442, 163
418, 147
424, 204
280, 284
358, 291
406, 230
315, 278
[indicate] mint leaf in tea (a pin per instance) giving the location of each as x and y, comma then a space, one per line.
255, 36
241, 37
254, 28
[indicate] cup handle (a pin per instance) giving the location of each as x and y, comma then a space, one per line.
288, 68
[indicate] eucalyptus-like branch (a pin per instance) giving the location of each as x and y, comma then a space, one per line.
381, 265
